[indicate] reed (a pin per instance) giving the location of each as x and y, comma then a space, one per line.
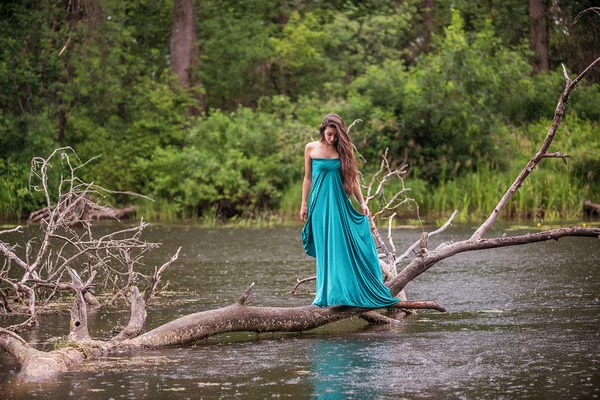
550, 194
160, 210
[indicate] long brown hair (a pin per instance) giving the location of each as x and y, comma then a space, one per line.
344, 147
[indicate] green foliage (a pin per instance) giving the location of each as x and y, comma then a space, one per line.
322, 51
236, 164
444, 111
236, 52
14, 191
550, 193
464, 111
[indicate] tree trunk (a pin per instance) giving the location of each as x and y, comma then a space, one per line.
185, 54
427, 24
282, 13
538, 35
591, 207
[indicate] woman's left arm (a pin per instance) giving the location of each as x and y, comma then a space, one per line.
359, 196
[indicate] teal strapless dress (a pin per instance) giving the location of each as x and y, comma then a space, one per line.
339, 237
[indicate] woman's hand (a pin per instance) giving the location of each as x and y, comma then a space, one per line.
364, 209
303, 213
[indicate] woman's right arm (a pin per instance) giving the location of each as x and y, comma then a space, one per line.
306, 184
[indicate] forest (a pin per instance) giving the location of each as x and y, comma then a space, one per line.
205, 106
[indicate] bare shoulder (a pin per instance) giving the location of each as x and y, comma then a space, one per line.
310, 147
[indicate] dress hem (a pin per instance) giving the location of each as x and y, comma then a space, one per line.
357, 305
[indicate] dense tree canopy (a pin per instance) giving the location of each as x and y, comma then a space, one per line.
448, 85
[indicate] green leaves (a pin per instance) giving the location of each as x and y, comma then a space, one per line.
241, 162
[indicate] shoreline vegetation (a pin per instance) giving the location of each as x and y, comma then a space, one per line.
551, 196
281, 219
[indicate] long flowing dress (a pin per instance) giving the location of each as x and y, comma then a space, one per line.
339, 237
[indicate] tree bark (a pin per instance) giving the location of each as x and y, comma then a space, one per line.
185, 54
282, 13
538, 35
428, 23
85, 210
592, 206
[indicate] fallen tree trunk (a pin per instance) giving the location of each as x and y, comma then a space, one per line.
36, 365
39, 366
85, 210
593, 207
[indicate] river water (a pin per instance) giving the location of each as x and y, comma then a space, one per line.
522, 322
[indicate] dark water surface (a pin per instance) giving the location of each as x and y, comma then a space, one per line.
522, 322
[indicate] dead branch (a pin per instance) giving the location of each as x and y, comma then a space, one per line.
374, 318
246, 296
387, 271
86, 209
11, 256
79, 328
558, 154
61, 248
151, 288
137, 319
29, 323
15, 345
91, 301
18, 229
417, 243
380, 178
592, 206
542, 152
5, 303
389, 237
420, 305
301, 281
422, 264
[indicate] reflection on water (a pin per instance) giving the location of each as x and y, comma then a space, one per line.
338, 361
523, 322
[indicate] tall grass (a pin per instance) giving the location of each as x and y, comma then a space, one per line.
291, 200
161, 210
550, 193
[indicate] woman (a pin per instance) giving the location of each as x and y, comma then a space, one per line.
339, 237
